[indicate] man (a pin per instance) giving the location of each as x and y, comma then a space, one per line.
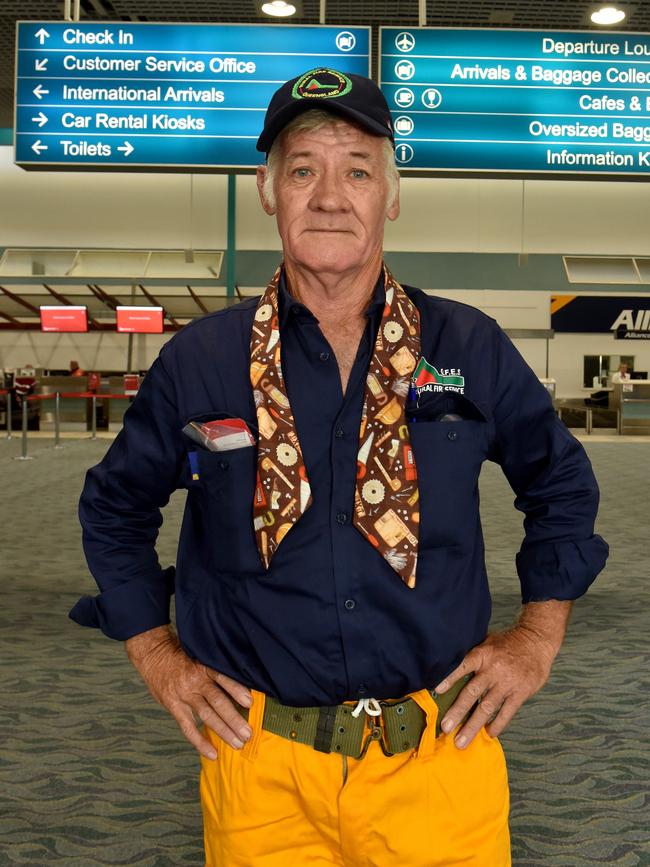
75, 370
331, 597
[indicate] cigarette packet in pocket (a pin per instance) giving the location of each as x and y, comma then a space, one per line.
221, 435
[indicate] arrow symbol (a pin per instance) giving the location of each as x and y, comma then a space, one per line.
127, 148
40, 65
40, 119
37, 147
42, 35
39, 90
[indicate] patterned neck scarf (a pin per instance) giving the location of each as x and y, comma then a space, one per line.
386, 510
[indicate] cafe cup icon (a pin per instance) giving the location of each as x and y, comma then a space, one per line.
405, 97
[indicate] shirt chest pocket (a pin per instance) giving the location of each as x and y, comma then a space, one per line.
448, 458
223, 505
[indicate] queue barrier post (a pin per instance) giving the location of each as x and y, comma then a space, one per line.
8, 412
23, 451
94, 420
57, 421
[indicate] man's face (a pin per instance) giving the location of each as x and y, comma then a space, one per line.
331, 198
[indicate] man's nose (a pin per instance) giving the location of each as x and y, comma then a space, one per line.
328, 193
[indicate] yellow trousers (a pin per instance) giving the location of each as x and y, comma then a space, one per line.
277, 803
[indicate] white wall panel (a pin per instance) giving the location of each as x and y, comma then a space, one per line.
95, 209
95, 350
587, 218
255, 229
438, 215
510, 309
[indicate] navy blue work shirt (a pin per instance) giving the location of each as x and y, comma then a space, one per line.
330, 620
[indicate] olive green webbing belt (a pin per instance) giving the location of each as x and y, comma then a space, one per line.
334, 729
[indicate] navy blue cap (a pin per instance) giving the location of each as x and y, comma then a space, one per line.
351, 96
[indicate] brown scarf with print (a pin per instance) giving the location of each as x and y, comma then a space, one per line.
386, 509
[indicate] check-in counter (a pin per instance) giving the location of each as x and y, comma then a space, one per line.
115, 408
632, 400
74, 414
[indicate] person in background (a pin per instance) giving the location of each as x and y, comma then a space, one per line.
75, 370
621, 375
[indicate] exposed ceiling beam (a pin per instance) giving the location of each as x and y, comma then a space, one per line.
109, 300
21, 301
156, 303
9, 318
197, 300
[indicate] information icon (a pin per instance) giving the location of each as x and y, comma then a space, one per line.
405, 41
403, 153
404, 97
345, 41
404, 125
431, 98
404, 69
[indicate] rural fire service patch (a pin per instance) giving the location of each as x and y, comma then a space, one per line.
426, 377
321, 84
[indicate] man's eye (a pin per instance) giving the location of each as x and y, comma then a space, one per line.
359, 173
301, 173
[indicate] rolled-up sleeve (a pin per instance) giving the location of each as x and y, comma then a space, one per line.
120, 515
553, 481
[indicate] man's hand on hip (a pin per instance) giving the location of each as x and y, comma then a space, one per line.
509, 667
190, 690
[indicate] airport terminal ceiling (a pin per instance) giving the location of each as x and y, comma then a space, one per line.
533, 14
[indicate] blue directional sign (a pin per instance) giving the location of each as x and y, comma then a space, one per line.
518, 102
161, 96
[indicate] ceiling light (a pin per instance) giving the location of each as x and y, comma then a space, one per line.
279, 8
608, 15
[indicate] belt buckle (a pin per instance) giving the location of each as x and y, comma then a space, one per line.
376, 733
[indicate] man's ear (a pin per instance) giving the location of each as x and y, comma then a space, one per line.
393, 212
261, 177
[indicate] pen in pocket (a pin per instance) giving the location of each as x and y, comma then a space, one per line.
194, 465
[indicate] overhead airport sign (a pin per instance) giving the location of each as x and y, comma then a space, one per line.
518, 102
161, 96
625, 316
64, 318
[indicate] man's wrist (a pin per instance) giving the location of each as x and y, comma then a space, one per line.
149, 645
547, 621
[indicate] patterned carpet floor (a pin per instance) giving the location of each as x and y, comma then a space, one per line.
93, 773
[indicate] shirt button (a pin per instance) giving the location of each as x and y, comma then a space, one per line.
324, 356
363, 689
349, 604
342, 517
452, 435
223, 465
339, 433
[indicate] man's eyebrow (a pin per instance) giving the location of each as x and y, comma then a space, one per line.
357, 155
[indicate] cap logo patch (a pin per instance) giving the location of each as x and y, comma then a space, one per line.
321, 84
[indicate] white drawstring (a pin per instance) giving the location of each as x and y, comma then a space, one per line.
365, 704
